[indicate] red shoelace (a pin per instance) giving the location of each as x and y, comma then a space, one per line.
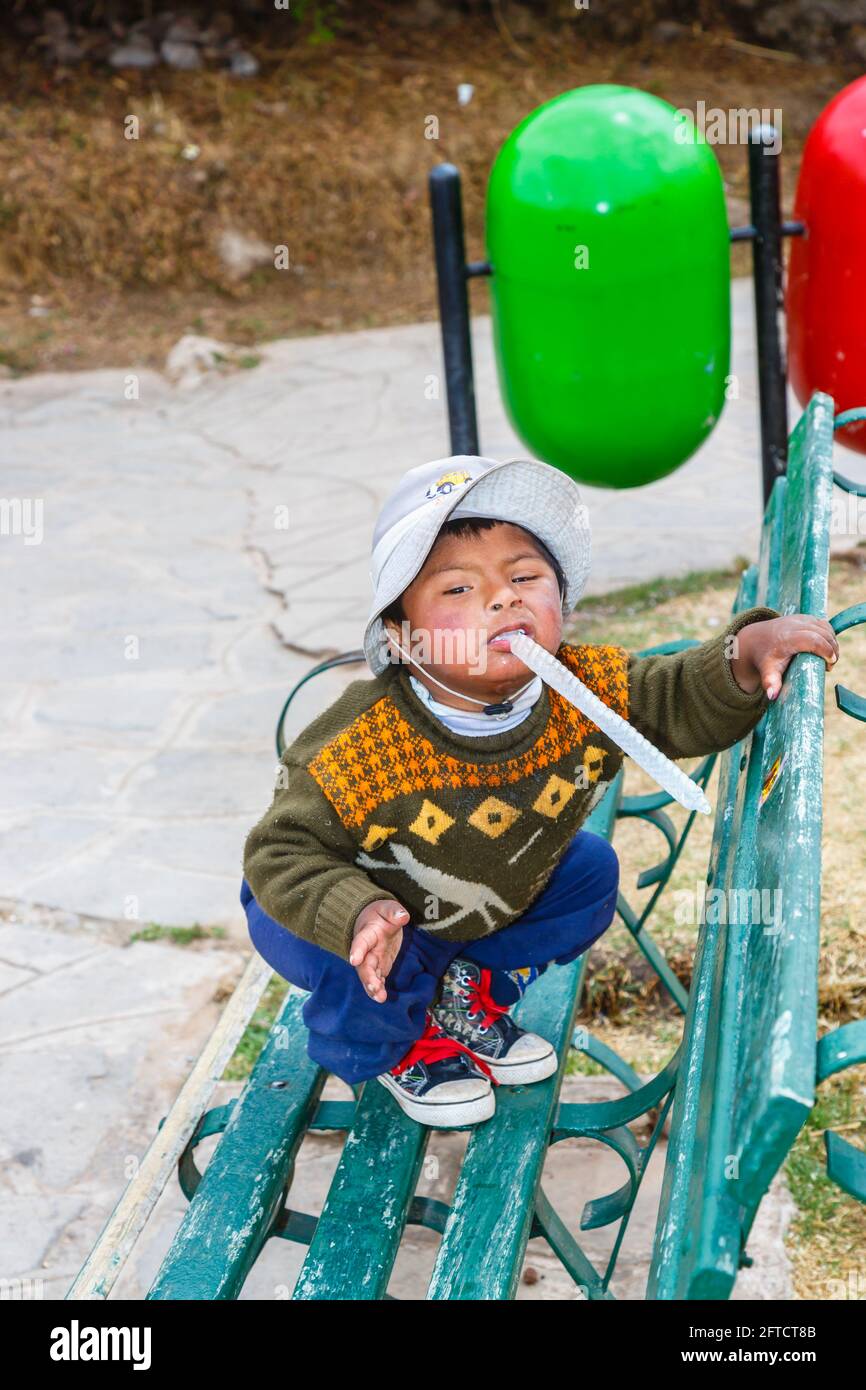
481, 1000
434, 1044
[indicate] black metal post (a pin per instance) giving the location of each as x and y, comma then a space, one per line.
769, 301
451, 273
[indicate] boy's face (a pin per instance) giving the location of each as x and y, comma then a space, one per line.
470, 588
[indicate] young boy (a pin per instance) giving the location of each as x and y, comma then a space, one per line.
422, 859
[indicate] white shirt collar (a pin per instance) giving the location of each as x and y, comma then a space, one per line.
462, 721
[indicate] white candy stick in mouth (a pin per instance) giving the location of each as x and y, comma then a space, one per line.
672, 778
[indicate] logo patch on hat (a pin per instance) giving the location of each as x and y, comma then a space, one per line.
447, 483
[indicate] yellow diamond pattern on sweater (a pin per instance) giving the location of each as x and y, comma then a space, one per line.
593, 761
493, 817
377, 835
431, 822
380, 756
555, 795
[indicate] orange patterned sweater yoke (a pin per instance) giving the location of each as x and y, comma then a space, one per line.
381, 756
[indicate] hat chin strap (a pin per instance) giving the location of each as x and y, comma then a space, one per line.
504, 707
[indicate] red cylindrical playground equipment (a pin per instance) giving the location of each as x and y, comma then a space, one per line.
826, 292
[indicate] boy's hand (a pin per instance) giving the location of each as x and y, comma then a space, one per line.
378, 937
763, 650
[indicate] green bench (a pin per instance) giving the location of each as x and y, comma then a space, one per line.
738, 1088
751, 1059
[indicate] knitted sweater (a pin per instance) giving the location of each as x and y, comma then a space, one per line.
376, 798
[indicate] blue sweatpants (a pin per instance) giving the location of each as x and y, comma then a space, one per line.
354, 1037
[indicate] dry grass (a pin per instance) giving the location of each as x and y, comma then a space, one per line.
325, 152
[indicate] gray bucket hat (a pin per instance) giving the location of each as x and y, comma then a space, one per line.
525, 492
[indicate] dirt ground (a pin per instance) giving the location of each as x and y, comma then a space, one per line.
110, 246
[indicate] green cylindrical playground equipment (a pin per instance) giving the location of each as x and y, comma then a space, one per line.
608, 237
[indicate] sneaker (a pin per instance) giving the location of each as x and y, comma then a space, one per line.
467, 1011
439, 1082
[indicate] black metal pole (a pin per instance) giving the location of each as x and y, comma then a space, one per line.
451, 272
769, 301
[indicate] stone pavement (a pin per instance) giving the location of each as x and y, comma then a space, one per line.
149, 640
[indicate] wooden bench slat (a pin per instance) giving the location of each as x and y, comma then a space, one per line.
483, 1245
230, 1215
686, 1197
777, 1040
359, 1231
482, 1248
